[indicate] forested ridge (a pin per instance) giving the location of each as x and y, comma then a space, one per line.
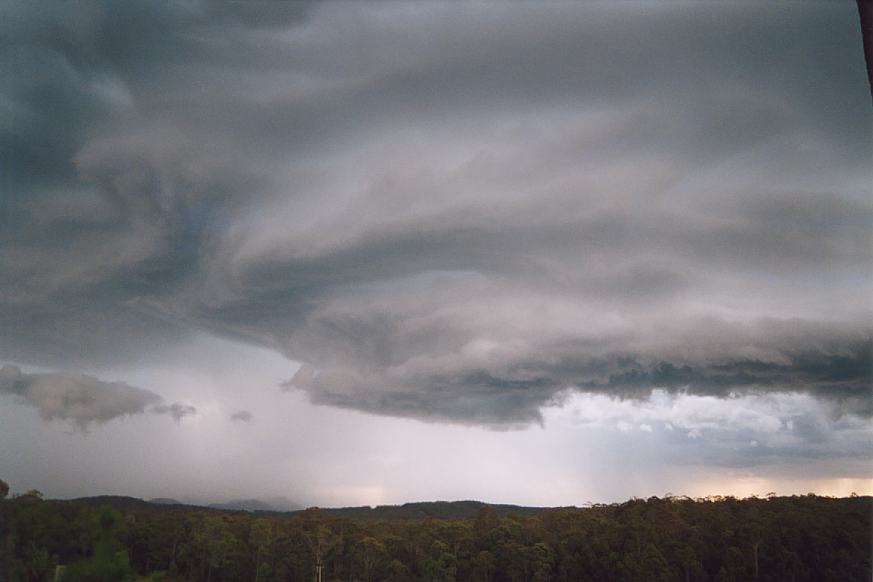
795, 538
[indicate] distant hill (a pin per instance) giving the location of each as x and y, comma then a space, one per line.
427, 509
412, 511
122, 502
125, 502
243, 505
116, 501
281, 503
165, 501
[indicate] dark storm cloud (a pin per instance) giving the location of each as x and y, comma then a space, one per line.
78, 398
105, 200
842, 375
509, 388
448, 212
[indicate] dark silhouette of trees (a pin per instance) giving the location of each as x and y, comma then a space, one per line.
805, 538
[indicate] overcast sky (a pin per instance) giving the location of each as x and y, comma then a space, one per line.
362, 253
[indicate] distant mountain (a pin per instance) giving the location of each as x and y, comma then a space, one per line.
116, 501
417, 510
122, 502
283, 503
243, 505
427, 509
165, 501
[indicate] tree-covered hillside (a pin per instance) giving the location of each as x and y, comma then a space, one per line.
807, 538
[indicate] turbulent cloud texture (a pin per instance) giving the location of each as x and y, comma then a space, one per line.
78, 398
448, 212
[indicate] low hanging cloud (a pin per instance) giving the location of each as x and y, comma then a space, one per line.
508, 378
176, 410
455, 213
241, 416
78, 398
81, 399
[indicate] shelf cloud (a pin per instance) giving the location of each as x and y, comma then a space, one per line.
462, 221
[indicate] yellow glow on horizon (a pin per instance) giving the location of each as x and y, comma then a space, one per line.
745, 486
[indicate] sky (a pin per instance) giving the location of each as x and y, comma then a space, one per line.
337, 253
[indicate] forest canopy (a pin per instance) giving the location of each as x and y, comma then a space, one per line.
716, 538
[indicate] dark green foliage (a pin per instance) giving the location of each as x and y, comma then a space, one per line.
805, 538
108, 561
428, 509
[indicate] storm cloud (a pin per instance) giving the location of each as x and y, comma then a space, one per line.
77, 398
458, 213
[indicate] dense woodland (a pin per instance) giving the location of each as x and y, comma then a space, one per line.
718, 538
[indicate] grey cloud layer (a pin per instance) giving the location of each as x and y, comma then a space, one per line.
447, 212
